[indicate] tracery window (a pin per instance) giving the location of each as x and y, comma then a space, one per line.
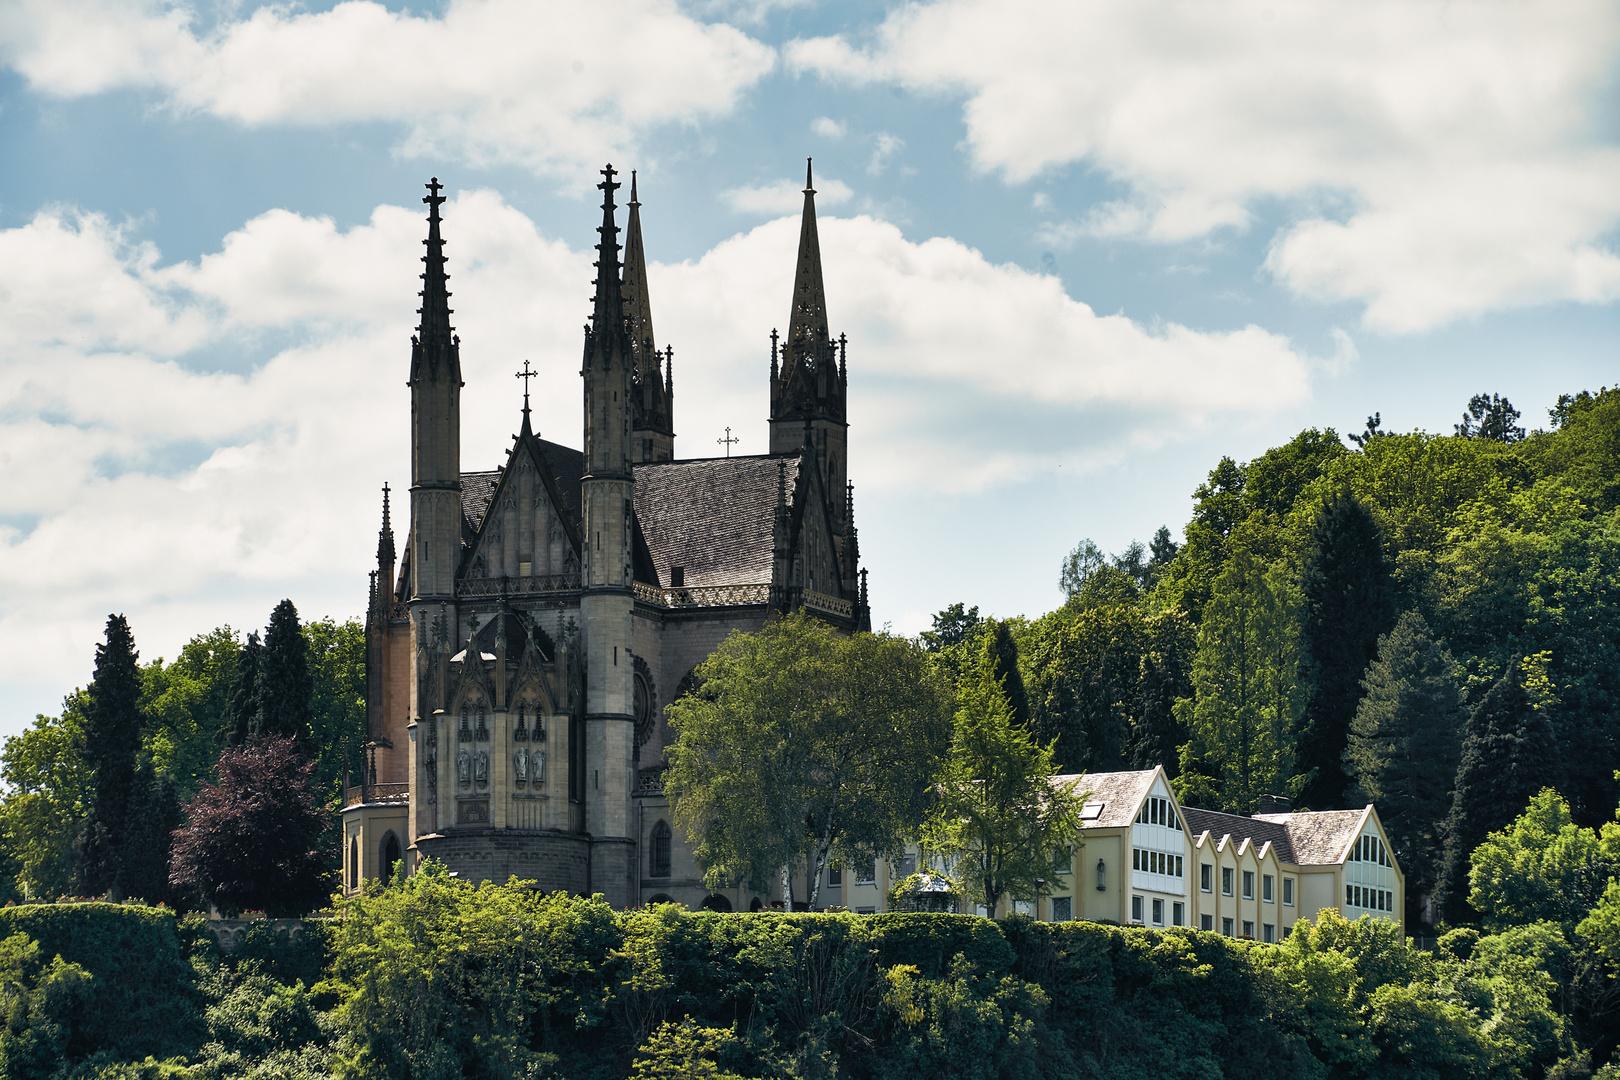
658, 856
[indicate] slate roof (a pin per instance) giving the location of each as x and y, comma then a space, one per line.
1119, 792
1318, 836
712, 516
1260, 830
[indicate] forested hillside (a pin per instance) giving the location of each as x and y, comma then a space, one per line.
1345, 623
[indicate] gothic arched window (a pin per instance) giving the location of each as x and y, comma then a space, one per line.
658, 857
390, 856
354, 863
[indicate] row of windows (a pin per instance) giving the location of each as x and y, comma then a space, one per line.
1376, 899
1268, 931
1178, 911
1156, 862
1158, 812
1370, 849
1206, 877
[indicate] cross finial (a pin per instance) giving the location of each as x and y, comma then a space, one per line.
526, 374
728, 441
808, 184
434, 198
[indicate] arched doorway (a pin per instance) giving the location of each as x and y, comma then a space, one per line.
716, 902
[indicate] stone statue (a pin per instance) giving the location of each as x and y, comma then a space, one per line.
520, 765
537, 767
481, 769
464, 768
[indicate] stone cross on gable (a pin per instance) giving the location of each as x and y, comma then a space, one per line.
728, 442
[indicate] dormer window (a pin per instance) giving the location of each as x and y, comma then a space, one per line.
677, 577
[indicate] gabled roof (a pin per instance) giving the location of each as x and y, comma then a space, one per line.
1260, 831
713, 517
1319, 837
566, 465
1120, 794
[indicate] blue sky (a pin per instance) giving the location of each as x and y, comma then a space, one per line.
1081, 251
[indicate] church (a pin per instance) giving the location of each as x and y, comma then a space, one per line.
521, 649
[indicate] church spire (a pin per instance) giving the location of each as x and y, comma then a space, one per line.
436, 348
652, 389
385, 539
809, 320
607, 313
637, 301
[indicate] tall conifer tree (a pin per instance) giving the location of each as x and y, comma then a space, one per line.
112, 739
1507, 757
1004, 661
1349, 602
285, 686
1404, 746
242, 713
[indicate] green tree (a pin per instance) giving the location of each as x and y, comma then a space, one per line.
1001, 821
241, 717
49, 786
1507, 756
112, 739
1404, 747
1542, 867
1490, 417
337, 664
187, 705
1244, 718
1085, 669
1004, 656
40, 1001
802, 745
286, 689
154, 814
1164, 677
953, 643
1349, 601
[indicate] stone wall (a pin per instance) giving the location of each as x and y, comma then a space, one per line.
557, 860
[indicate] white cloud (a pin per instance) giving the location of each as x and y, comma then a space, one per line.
490, 81
153, 468
828, 128
884, 147
783, 196
1432, 160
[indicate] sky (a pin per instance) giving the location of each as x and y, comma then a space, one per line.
1081, 249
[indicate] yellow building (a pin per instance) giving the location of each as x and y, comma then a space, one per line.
1146, 860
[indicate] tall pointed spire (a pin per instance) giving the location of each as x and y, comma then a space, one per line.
435, 344
809, 322
637, 300
385, 538
652, 388
607, 313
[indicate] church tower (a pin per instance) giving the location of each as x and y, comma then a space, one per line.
809, 384
652, 377
606, 602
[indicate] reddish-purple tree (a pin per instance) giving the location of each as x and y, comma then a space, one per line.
253, 842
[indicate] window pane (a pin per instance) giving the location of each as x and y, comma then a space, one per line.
1226, 927
1265, 889
1177, 914
1158, 912
1136, 908
1206, 922
1206, 873
1062, 909
1248, 929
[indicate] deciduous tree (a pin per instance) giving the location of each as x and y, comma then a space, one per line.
253, 840
799, 745
1001, 822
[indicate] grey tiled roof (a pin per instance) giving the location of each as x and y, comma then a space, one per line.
1119, 792
1318, 836
712, 516
1260, 830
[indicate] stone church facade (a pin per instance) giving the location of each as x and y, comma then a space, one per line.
522, 647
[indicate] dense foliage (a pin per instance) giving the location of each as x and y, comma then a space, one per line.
431, 977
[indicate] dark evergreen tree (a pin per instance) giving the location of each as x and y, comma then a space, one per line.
1165, 675
1162, 549
242, 713
112, 739
1508, 755
1349, 602
286, 689
1490, 417
1404, 747
154, 814
1004, 658
257, 840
